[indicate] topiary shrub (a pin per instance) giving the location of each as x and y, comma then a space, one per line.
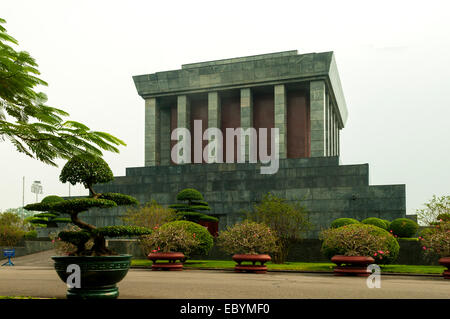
404, 227
49, 218
437, 240
89, 170
376, 222
360, 240
388, 224
248, 238
205, 240
343, 221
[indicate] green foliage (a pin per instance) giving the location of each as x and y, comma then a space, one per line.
51, 199
87, 170
404, 227
437, 240
171, 238
61, 220
150, 215
376, 222
192, 209
288, 221
120, 199
360, 240
75, 206
122, 231
31, 126
248, 238
443, 217
343, 221
205, 239
387, 223
32, 234
433, 208
189, 194
10, 235
77, 238
195, 217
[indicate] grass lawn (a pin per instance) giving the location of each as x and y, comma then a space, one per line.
299, 266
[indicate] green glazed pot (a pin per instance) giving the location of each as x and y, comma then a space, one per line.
98, 275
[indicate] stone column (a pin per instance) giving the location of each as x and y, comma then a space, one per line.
214, 119
246, 115
183, 112
281, 118
165, 136
152, 132
214, 109
318, 120
327, 126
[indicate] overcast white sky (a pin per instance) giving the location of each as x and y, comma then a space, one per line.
392, 56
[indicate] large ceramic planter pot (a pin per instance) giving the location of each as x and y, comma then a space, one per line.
99, 275
253, 259
445, 261
352, 265
170, 259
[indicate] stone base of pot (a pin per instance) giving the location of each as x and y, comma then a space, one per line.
253, 259
98, 275
445, 261
171, 259
352, 265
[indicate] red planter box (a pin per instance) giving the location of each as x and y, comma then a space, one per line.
445, 261
171, 259
253, 259
352, 265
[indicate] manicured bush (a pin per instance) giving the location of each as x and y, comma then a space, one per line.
205, 239
189, 194
360, 240
404, 227
376, 222
171, 238
248, 238
388, 224
343, 221
437, 240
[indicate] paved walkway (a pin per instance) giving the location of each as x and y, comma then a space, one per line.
40, 280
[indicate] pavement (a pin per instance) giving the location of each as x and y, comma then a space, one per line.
33, 275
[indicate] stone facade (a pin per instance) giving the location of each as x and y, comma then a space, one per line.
300, 94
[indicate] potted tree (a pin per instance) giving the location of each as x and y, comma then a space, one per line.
100, 268
168, 244
353, 247
437, 242
249, 242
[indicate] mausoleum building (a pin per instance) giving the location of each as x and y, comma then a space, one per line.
300, 95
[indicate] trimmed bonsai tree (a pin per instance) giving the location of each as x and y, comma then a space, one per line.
90, 170
47, 217
192, 207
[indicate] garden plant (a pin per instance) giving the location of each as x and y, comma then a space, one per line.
289, 221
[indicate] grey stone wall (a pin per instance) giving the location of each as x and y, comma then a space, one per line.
327, 189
